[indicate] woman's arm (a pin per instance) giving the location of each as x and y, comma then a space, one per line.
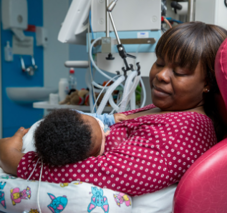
10, 151
148, 154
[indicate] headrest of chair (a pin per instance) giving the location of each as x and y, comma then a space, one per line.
221, 77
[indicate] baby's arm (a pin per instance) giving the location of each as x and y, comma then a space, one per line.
119, 117
108, 120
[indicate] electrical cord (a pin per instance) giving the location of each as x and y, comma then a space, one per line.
174, 20
167, 22
40, 178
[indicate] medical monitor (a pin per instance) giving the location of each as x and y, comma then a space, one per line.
76, 23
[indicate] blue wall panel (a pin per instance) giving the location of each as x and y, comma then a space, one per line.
16, 115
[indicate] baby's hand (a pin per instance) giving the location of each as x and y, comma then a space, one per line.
119, 117
107, 133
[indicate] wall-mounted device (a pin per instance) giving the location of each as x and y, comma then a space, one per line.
30, 70
15, 16
41, 36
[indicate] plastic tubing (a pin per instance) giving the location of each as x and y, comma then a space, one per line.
131, 95
113, 105
133, 98
144, 93
92, 61
108, 94
102, 92
127, 95
130, 92
96, 67
88, 80
133, 101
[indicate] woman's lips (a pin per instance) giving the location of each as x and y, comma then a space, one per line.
159, 91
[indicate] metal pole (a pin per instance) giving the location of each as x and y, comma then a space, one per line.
114, 27
191, 10
107, 20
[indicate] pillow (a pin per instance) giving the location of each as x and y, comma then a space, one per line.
157, 202
18, 195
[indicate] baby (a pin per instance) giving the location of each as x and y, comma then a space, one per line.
67, 136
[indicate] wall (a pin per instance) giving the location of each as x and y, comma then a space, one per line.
79, 53
56, 53
15, 115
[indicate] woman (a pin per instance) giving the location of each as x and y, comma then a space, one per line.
158, 143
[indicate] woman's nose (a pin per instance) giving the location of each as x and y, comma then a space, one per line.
164, 75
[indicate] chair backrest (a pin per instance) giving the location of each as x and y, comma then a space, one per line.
203, 188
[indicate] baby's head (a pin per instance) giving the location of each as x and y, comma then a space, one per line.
66, 136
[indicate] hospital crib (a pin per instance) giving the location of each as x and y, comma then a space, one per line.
203, 188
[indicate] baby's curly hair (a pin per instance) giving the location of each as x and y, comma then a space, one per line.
63, 138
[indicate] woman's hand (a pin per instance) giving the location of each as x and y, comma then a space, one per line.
14, 141
10, 151
119, 117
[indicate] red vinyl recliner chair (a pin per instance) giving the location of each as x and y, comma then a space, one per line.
203, 188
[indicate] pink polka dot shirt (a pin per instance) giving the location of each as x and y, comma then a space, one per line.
142, 155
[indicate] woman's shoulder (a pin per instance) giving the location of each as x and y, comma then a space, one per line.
191, 115
188, 126
188, 121
187, 117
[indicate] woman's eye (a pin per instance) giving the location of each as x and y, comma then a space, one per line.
178, 74
159, 65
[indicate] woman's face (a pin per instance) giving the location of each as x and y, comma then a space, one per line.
174, 88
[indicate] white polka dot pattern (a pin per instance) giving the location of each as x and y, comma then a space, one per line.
142, 155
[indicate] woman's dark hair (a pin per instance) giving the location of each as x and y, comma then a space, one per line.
63, 138
189, 44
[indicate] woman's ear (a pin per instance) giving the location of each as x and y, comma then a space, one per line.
206, 89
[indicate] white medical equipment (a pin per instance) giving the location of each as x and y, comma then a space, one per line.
15, 17
120, 35
211, 12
